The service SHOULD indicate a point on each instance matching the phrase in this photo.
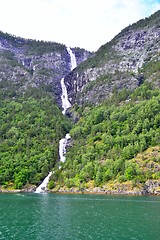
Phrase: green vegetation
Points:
(40, 47)
(145, 23)
(30, 130)
(34, 47)
(108, 137)
(116, 141)
(107, 52)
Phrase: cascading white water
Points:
(63, 142)
(62, 147)
(65, 105)
(73, 58)
(43, 186)
(64, 97)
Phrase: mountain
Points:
(31, 119)
(116, 113)
(28, 64)
(114, 121)
(131, 58)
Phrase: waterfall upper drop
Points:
(72, 57)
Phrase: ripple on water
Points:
(36, 216)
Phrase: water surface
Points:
(79, 217)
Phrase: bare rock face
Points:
(34, 64)
(152, 187)
(124, 63)
(121, 63)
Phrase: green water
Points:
(79, 217)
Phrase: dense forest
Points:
(107, 139)
(114, 121)
(30, 130)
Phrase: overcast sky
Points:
(77, 23)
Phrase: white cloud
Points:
(83, 23)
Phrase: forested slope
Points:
(107, 139)
(31, 119)
(30, 130)
(116, 97)
(114, 121)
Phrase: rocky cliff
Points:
(131, 58)
(114, 146)
(34, 64)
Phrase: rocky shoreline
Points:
(151, 187)
(27, 189)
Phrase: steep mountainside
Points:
(116, 135)
(34, 64)
(31, 123)
(115, 114)
(131, 58)
(109, 144)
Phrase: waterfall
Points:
(43, 186)
(65, 105)
(63, 142)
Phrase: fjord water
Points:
(79, 217)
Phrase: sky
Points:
(77, 23)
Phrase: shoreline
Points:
(83, 192)
(87, 191)
(150, 188)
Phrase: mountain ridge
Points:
(123, 57)
(114, 116)
(115, 96)
(37, 63)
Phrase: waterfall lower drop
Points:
(65, 105)
(43, 186)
